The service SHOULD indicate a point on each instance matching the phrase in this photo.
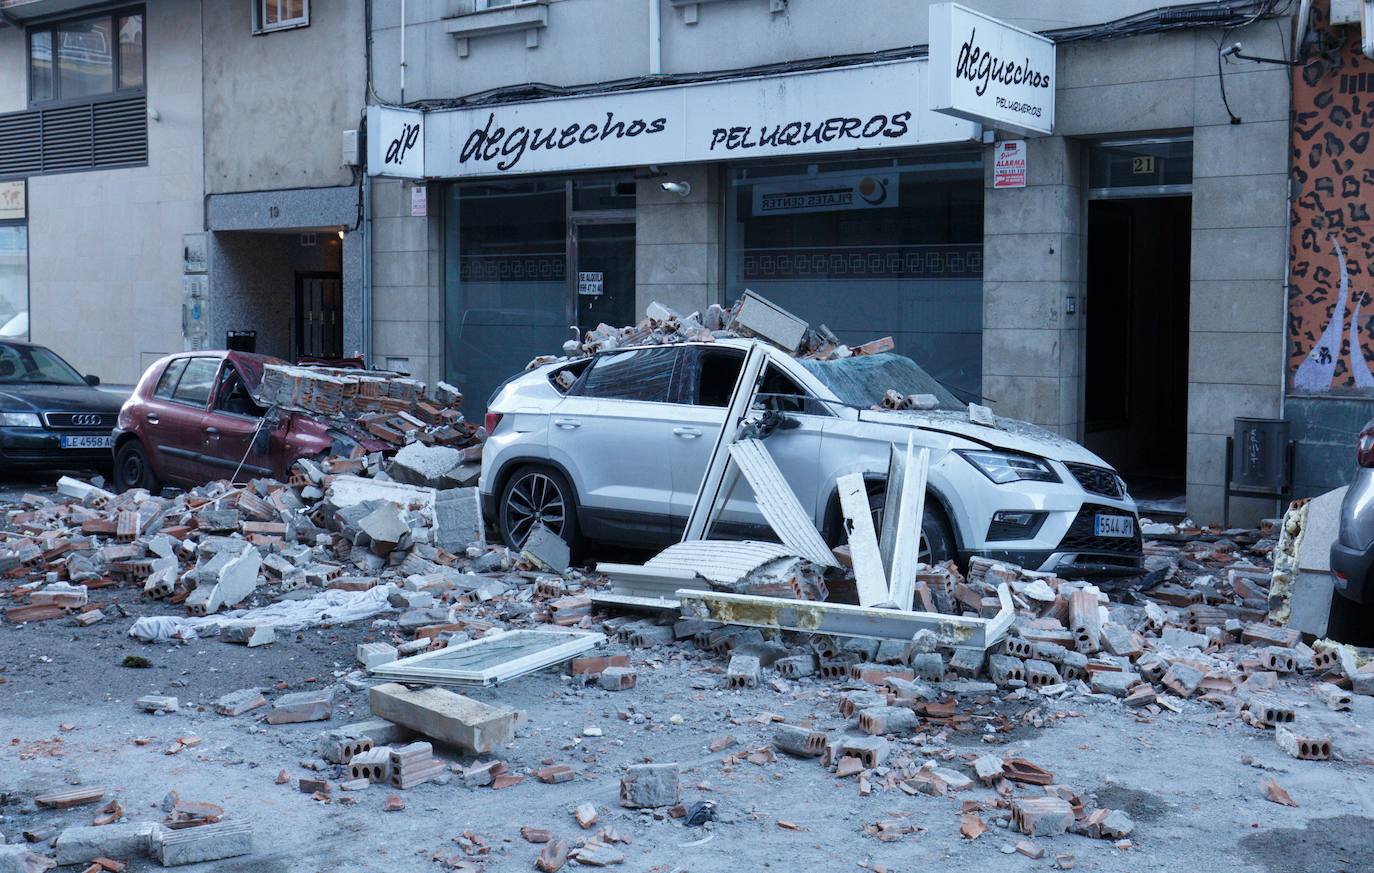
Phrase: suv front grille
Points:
(1098, 480)
(80, 420)
(1081, 537)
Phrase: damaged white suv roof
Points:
(619, 456)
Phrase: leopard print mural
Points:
(1331, 242)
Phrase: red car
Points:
(193, 419)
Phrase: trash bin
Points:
(1259, 454)
(241, 340)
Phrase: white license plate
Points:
(87, 442)
(1122, 526)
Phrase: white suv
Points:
(618, 457)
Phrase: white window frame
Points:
(260, 24)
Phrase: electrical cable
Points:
(1190, 17)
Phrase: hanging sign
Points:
(986, 70)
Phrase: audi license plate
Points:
(87, 442)
(1122, 526)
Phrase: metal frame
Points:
(779, 504)
(415, 669)
(846, 620)
(869, 576)
(714, 484)
(910, 506)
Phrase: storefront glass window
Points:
(869, 247)
(506, 272)
(14, 281)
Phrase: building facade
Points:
(1118, 277)
(174, 171)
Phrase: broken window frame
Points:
(416, 669)
(688, 383)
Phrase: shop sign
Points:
(395, 142)
(1009, 164)
(591, 283)
(12, 200)
(986, 70)
(861, 107)
(830, 193)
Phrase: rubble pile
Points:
(331, 542)
(1201, 632)
(663, 325)
(386, 405)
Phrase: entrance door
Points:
(1136, 363)
(604, 275)
(319, 315)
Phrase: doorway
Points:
(319, 316)
(1136, 360)
(603, 249)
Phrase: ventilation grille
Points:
(111, 133)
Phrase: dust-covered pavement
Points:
(1191, 781)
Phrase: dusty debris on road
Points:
(928, 715)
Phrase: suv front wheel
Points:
(533, 496)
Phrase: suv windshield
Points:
(35, 365)
(863, 380)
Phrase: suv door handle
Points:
(687, 433)
(212, 431)
(567, 423)
(152, 418)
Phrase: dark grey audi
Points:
(52, 417)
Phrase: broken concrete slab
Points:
(82, 845)
(760, 317)
(302, 706)
(238, 702)
(452, 719)
(156, 703)
(375, 654)
(247, 634)
(458, 521)
(546, 550)
(386, 527)
(211, 842)
(18, 859)
(419, 464)
(649, 786)
(237, 577)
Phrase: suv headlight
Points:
(1005, 467)
(20, 419)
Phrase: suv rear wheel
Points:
(537, 495)
(133, 470)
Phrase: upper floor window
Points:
(269, 15)
(86, 57)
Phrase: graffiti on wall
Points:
(1331, 292)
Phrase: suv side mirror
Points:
(92, 380)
